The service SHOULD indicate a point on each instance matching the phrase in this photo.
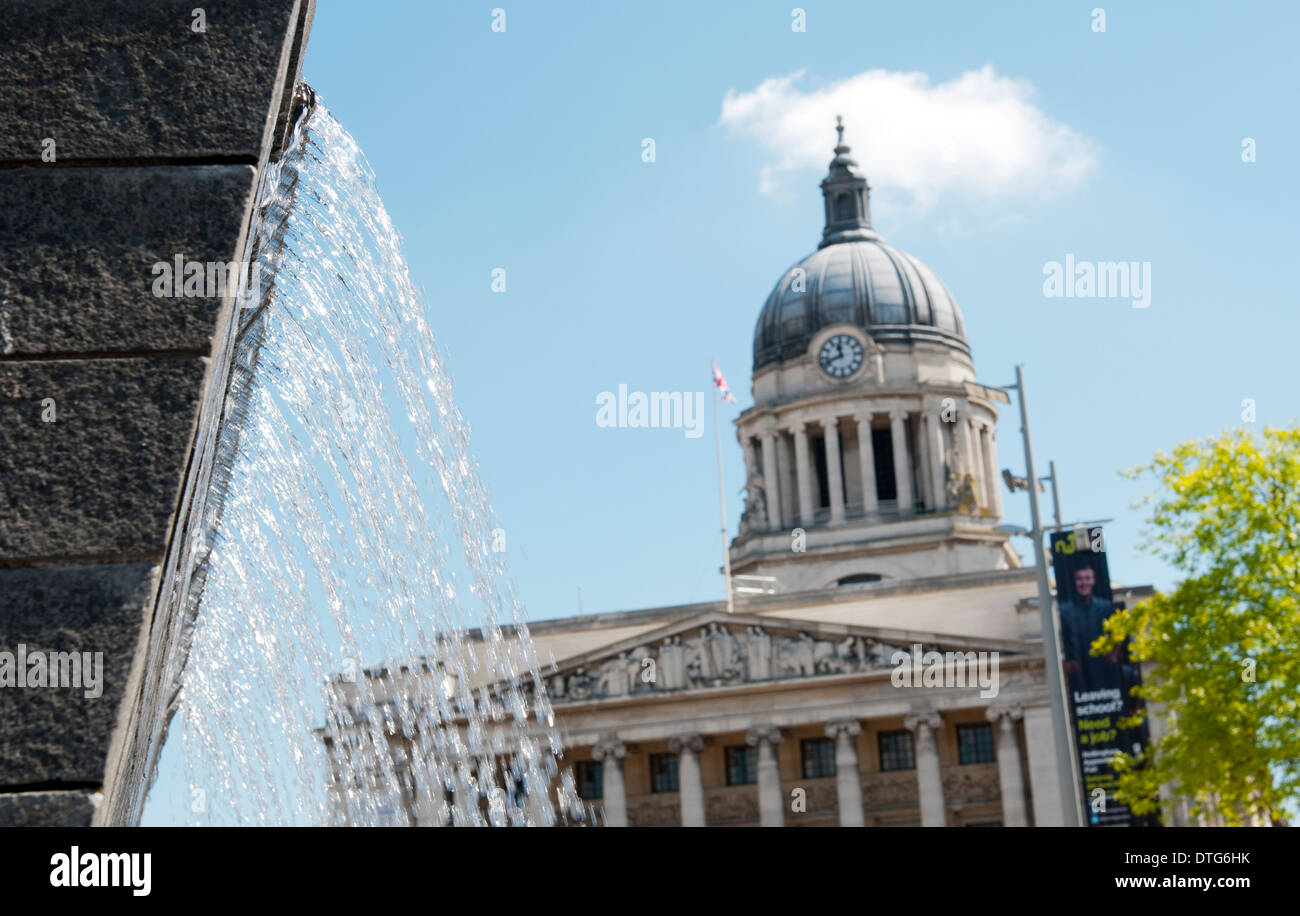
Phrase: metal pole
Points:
(1056, 494)
(1066, 762)
(722, 501)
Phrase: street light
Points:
(1066, 761)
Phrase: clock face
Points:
(840, 356)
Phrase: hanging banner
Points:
(1099, 687)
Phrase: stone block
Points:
(125, 79)
(78, 249)
(102, 479)
(58, 734)
(46, 809)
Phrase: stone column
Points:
(848, 778)
(691, 788)
(771, 481)
(929, 779)
(1015, 811)
(977, 465)
(991, 468)
(1043, 780)
(789, 491)
(803, 474)
(902, 467)
(924, 480)
(749, 447)
(967, 454)
(934, 443)
(867, 460)
(771, 801)
(610, 752)
(834, 473)
(988, 475)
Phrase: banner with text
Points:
(1099, 686)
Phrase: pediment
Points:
(716, 649)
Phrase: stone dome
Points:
(886, 292)
(853, 277)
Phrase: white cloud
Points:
(978, 136)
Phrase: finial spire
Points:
(848, 213)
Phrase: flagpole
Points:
(722, 500)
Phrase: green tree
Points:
(1225, 643)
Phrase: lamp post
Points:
(1066, 761)
(1056, 492)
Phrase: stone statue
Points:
(805, 654)
(636, 665)
(884, 654)
(754, 518)
(851, 654)
(579, 686)
(699, 661)
(960, 483)
(758, 654)
(634, 669)
(672, 664)
(872, 655)
(724, 658)
(859, 654)
(825, 660)
(614, 676)
(952, 474)
(797, 656)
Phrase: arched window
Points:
(843, 207)
(859, 579)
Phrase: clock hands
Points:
(845, 359)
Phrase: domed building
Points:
(868, 555)
(870, 450)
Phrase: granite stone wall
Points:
(131, 131)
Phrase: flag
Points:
(722, 384)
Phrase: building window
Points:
(663, 773)
(742, 766)
(859, 579)
(818, 757)
(896, 751)
(590, 776)
(975, 743)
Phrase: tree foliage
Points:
(1224, 645)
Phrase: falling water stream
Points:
(357, 654)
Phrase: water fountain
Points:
(346, 549)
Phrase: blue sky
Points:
(1033, 136)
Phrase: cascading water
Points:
(353, 526)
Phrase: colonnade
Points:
(920, 479)
(923, 725)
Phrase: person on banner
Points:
(1082, 617)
